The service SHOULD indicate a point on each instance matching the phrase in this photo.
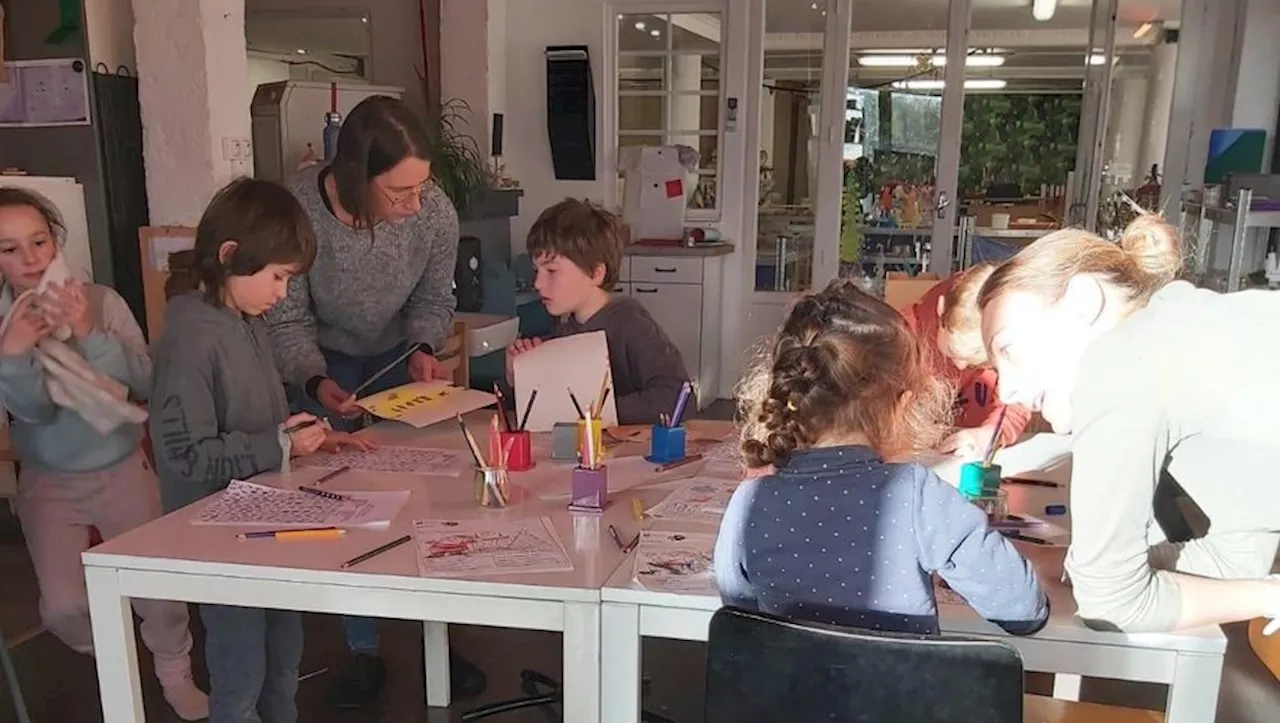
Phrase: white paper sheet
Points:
(401, 460)
(679, 562)
(492, 546)
(701, 499)
(247, 504)
(422, 404)
(724, 459)
(578, 362)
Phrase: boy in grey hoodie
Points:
(219, 413)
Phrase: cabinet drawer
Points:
(624, 269)
(665, 270)
(622, 289)
(677, 308)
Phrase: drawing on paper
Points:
(701, 499)
(487, 547)
(676, 562)
(250, 504)
(424, 403)
(402, 460)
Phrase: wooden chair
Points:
(1266, 647)
(454, 357)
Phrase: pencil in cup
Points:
(492, 487)
(597, 439)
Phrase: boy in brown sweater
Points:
(576, 247)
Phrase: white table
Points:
(1189, 663)
(171, 559)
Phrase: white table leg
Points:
(581, 684)
(115, 649)
(1066, 686)
(435, 656)
(620, 663)
(1193, 694)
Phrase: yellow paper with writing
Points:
(421, 404)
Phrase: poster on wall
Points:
(44, 93)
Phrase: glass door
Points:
(1086, 187)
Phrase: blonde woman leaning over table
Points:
(1152, 377)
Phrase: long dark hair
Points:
(378, 133)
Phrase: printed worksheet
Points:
(422, 404)
(724, 459)
(678, 562)
(451, 548)
(403, 460)
(700, 499)
(249, 504)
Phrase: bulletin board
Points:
(155, 243)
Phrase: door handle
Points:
(943, 202)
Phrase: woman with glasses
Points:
(387, 239)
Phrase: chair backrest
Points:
(762, 669)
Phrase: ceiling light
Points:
(910, 61)
(1042, 10)
(1097, 59)
(639, 25)
(364, 19)
(971, 84)
(302, 51)
(655, 32)
(1142, 30)
(813, 6)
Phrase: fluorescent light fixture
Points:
(1097, 59)
(1142, 30)
(302, 51)
(639, 25)
(1042, 10)
(655, 32)
(971, 84)
(909, 61)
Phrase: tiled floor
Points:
(61, 686)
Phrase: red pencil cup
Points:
(521, 456)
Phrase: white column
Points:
(192, 74)
(685, 110)
(464, 64)
(1159, 101)
(1124, 131)
(1257, 91)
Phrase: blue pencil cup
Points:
(666, 444)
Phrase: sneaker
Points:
(466, 680)
(359, 684)
(182, 695)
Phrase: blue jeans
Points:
(253, 657)
(350, 372)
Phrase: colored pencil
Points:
(995, 439)
(631, 545)
(507, 424)
(1023, 538)
(577, 407)
(1030, 482)
(378, 374)
(471, 442)
(679, 462)
(331, 475)
(301, 426)
(678, 412)
(528, 407)
(312, 532)
(322, 493)
(376, 551)
(613, 532)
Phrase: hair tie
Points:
(791, 406)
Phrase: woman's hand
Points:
(68, 305)
(27, 325)
(337, 400)
(423, 367)
(337, 441)
(515, 349)
(968, 443)
(306, 439)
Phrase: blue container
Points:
(666, 444)
(332, 126)
(977, 480)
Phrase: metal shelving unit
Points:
(1240, 216)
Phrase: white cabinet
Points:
(682, 294)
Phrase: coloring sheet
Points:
(701, 499)
(488, 546)
(724, 459)
(253, 505)
(422, 404)
(578, 362)
(402, 460)
(678, 562)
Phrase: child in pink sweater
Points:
(947, 322)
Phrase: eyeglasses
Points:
(405, 198)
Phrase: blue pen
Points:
(685, 389)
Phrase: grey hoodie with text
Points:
(216, 401)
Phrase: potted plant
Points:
(460, 168)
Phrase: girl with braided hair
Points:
(839, 532)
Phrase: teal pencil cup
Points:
(666, 444)
(977, 480)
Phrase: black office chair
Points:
(763, 669)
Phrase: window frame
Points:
(614, 95)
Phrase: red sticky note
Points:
(675, 188)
